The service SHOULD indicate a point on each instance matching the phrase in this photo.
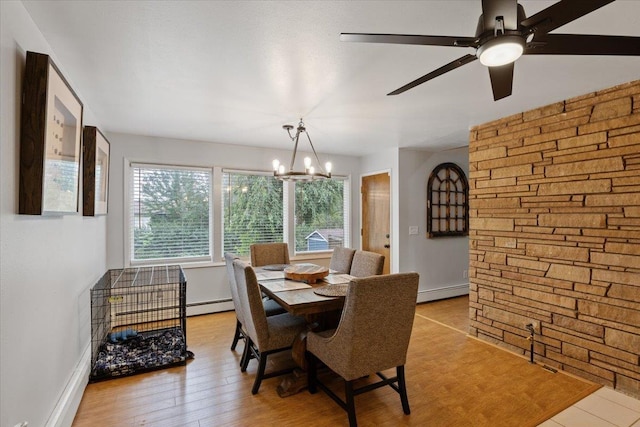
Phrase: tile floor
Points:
(604, 408)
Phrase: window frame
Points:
(223, 171)
(200, 261)
(346, 211)
(216, 218)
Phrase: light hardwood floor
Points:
(453, 380)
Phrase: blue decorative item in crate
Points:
(114, 337)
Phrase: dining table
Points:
(301, 298)
(319, 300)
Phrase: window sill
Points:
(310, 256)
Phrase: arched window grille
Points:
(447, 202)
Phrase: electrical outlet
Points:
(534, 323)
(413, 229)
(465, 274)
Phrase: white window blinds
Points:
(170, 213)
(252, 210)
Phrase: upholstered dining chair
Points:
(372, 336)
(270, 306)
(341, 259)
(266, 335)
(269, 253)
(366, 264)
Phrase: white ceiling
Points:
(235, 71)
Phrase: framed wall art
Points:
(447, 202)
(95, 172)
(50, 135)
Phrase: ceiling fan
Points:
(504, 33)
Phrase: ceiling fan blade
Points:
(508, 9)
(584, 44)
(501, 80)
(410, 39)
(446, 68)
(561, 13)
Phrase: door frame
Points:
(392, 240)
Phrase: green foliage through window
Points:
(170, 212)
(252, 211)
(320, 215)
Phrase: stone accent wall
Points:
(555, 234)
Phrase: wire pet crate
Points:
(138, 321)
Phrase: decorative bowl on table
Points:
(309, 273)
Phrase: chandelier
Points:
(310, 172)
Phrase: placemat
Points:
(332, 290)
(275, 267)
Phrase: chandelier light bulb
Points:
(276, 164)
(281, 169)
(328, 167)
(312, 170)
(307, 162)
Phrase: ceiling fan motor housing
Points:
(481, 30)
(499, 45)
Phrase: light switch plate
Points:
(413, 229)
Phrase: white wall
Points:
(47, 265)
(440, 262)
(206, 286)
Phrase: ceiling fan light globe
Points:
(500, 51)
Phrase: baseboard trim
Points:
(443, 292)
(207, 307)
(65, 410)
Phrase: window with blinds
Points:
(252, 210)
(170, 213)
(321, 215)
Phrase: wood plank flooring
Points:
(453, 380)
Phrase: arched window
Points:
(447, 202)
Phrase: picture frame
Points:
(50, 138)
(447, 202)
(95, 172)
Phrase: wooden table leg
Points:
(297, 380)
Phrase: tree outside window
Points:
(320, 215)
(252, 211)
(170, 213)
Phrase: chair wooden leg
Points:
(237, 335)
(402, 389)
(246, 355)
(350, 405)
(261, 367)
(312, 372)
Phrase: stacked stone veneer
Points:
(555, 234)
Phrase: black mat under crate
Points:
(144, 352)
